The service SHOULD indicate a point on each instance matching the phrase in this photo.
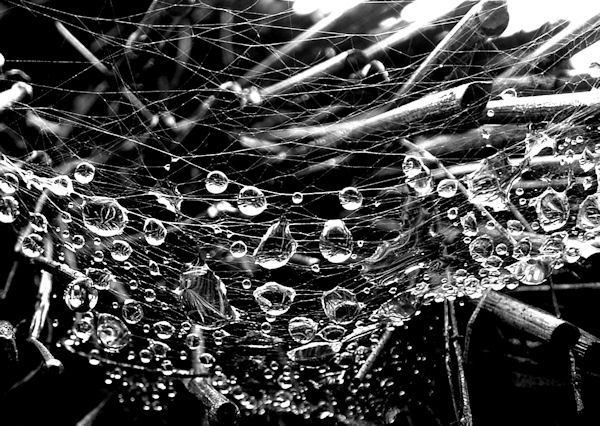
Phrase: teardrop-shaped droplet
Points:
(204, 298)
(32, 246)
(216, 182)
(350, 198)
(488, 186)
(9, 209)
(552, 208)
(80, 295)
(340, 305)
(469, 224)
(120, 250)
(274, 299)
(336, 241)
(104, 216)
(588, 217)
(84, 172)
(154, 232)
(132, 311)
(112, 333)
(251, 201)
(276, 247)
(447, 188)
(302, 329)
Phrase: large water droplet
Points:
(302, 329)
(204, 298)
(104, 216)
(336, 241)
(251, 201)
(216, 182)
(112, 333)
(340, 305)
(532, 270)
(489, 185)
(80, 295)
(274, 299)
(154, 232)
(552, 208)
(9, 209)
(276, 247)
(132, 311)
(588, 217)
(84, 172)
(350, 198)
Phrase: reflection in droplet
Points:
(80, 295)
(350, 198)
(302, 329)
(9, 209)
(553, 209)
(274, 299)
(216, 182)
(132, 311)
(84, 172)
(154, 232)
(120, 250)
(112, 333)
(251, 201)
(32, 246)
(588, 217)
(104, 216)
(340, 305)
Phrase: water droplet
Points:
(276, 247)
(204, 298)
(422, 183)
(80, 295)
(532, 270)
(411, 166)
(207, 360)
(332, 333)
(38, 222)
(251, 201)
(452, 213)
(154, 232)
(469, 224)
(481, 248)
(514, 227)
(9, 183)
(193, 341)
(132, 311)
(397, 310)
(104, 216)
(274, 299)
(84, 172)
(340, 305)
(336, 241)
(350, 198)
(9, 209)
(314, 353)
(216, 182)
(302, 329)
(587, 160)
(490, 113)
(149, 295)
(246, 284)
(112, 333)
(588, 217)
(297, 197)
(163, 329)
(83, 329)
(447, 188)
(33, 246)
(78, 241)
(102, 279)
(552, 208)
(120, 250)
(238, 249)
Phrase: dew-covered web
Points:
(207, 209)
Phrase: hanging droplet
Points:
(120, 250)
(80, 295)
(588, 217)
(84, 172)
(9, 209)
(32, 246)
(274, 299)
(447, 188)
(132, 311)
(104, 216)
(276, 247)
(469, 224)
(238, 249)
(112, 333)
(216, 182)
(163, 329)
(251, 201)
(350, 198)
(154, 232)
(204, 298)
(340, 305)
(481, 248)
(9, 183)
(552, 208)
(302, 329)
(336, 241)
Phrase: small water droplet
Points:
(132, 311)
(238, 249)
(84, 172)
(216, 182)
(251, 201)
